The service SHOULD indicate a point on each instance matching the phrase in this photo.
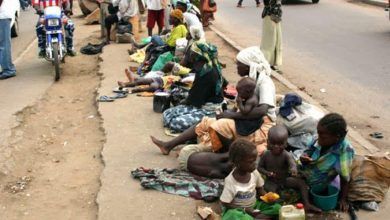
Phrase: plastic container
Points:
(290, 212)
(161, 102)
(326, 197)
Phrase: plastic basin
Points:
(325, 197)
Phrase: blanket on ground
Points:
(174, 181)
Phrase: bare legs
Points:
(166, 146)
(299, 184)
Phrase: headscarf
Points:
(176, 13)
(258, 65)
(209, 53)
(197, 33)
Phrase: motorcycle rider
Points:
(39, 6)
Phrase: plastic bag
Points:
(162, 60)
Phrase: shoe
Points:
(42, 54)
(71, 52)
(2, 77)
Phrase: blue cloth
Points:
(157, 40)
(290, 100)
(8, 68)
(41, 35)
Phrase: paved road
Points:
(32, 79)
(27, 23)
(336, 45)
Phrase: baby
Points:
(244, 185)
(246, 101)
(280, 168)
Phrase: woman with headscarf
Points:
(271, 38)
(216, 135)
(206, 92)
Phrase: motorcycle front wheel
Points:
(56, 61)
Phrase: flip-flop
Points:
(119, 96)
(120, 90)
(105, 98)
(377, 135)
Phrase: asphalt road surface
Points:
(27, 34)
(336, 45)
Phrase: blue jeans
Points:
(8, 68)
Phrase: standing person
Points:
(208, 8)
(7, 67)
(239, 4)
(271, 39)
(127, 11)
(39, 6)
(155, 15)
(190, 19)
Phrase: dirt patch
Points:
(56, 146)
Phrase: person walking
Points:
(239, 4)
(7, 67)
(271, 38)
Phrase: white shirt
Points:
(8, 9)
(191, 19)
(127, 8)
(265, 90)
(242, 195)
(154, 4)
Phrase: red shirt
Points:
(47, 3)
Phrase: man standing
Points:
(271, 39)
(6, 15)
(155, 15)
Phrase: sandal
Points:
(377, 135)
(120, 90)
(105, 98)
(119, 96)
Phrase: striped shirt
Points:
(324, 168)
(48, 3)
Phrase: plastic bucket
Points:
(325, 197)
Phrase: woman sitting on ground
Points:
(206, 92)
(216, 135)
(330, 156)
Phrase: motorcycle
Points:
(55, 43)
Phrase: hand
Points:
(305, 159)
(225, 114)
(294, 172)
(344, 205)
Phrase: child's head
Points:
(331, 129)
(246, 87)
(277, 139)
(168, 67)
(243, 155)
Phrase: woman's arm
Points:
(257, 112)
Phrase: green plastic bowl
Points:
(325, 197)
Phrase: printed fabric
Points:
(174, 181)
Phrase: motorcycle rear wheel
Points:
(56, 62)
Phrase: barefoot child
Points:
(280, 168)
(244, 185)
(154, 83)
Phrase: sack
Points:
(112, 10)
(124, 27)
(91, 49)
(141, 7)
(162, 60)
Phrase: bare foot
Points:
(129, 75)
(122, 84)
(312, 208)
(161, 145)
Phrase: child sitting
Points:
(280, 168)
(246, 101)
(244, 185)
